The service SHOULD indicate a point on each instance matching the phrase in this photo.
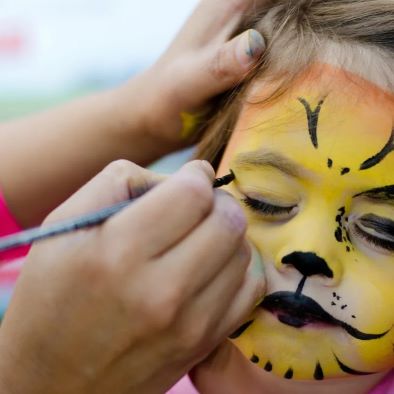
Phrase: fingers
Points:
(206, 309)
(218, 69)
(229, 64)
(198, 258)
(210, 18)
(118, 182)
(166, 214)
(251, 292)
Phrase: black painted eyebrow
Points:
(270, 159)
(380, 156)
(313, 118)
(383, 194)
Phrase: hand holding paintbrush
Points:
(147, 294)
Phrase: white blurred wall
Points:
(48, 46)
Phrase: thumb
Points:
(219, 366)
(117, 182)
(230, 63)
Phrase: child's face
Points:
(318, 190)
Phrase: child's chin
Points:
(313, 352)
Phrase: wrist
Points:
(141, 112)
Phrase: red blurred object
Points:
(12, 43)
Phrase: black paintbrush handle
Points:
(27, 237)
(38, 233)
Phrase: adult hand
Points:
(130, 306)
(139, 121)
(200, 64)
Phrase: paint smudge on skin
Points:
(268, 367)
(289, 374)
(338, 234)
(339, 230)
(345, 171)
(254, 359)
(318, 375)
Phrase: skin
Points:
(61, 149)
(354, 285)
(127, 307)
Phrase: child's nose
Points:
(308, 264)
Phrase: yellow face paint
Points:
(315, 173)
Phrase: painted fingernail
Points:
(250, 47)
(256, 44)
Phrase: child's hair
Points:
(355, 34)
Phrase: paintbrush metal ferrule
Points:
(225, 180)
(35, 234)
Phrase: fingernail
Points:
(250, 47)
(256, 44)
(208, 167)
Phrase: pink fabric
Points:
(386, 386)
(8, 225)
(184, 386)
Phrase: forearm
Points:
(46, 157)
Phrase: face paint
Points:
(314, 171)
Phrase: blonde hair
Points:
(357, 35)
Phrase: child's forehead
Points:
(329, 121)
(321, 80)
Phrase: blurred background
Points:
(52, 50)
(55, 50)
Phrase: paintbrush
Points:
(35, 234)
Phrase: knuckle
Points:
(123, 172)
(218, 67)
(199, 194)
(235, 6)
(231, 215)
(163, 309)
(243, 256)
(193, 336)
(120, 167)
(96, 271)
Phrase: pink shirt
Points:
(8, 225)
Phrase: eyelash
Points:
(379, 242)
(265, 208)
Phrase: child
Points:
(310, 139)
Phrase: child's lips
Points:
(298, 310)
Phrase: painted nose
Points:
(308, 264)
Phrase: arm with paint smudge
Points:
(46, 157)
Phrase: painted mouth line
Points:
(297, 310)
